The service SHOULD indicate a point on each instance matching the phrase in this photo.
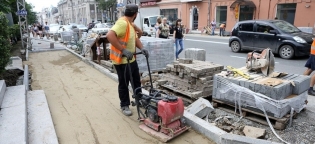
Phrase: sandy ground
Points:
(84, 103)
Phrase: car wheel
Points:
(235, 46)
(286, 52)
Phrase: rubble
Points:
(191, 78)
(253, 132)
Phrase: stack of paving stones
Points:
(196, 54)
(191, 78)
(161, 53)
(291, 89)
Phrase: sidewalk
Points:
(84, 103)
(39, 45)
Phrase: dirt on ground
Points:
(84, 103)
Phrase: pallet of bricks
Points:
(161, 53)
(191, 78)
(278, 96)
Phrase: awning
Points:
(243, 2)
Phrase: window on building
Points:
(246, 27)
(221, 13)
(170, 14)
(286, 12)
(262, 28)
(246, 13)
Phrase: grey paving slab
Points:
(3, 88)
(13, 116)
(40, 125)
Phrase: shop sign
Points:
(143, 4)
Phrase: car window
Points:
(263, 28)
(285, 26)
(246, 27)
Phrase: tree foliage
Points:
(5, 6)
(31, 16)
(4, 43)
(106, 5)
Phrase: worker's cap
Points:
(131, 8)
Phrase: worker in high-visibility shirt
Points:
(310, 64)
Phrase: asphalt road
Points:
(218, 51)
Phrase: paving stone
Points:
(3, 88)
(302, 84)
(196, 54)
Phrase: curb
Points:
(211, 132)
(46, 50)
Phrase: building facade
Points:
(197, 14)
(83, 12)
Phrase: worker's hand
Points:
(127, 54)
(145, 52)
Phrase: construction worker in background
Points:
(124, 40)
(222, 29)
(310, 65)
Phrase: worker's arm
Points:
(139, 44)
(113, 40)
(118, 30)
(137, 29)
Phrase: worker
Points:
(310, 65)
(222, 29)
(123, 40)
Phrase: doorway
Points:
(195, 19)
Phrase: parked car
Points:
(109, 25)
(100, 28)
(54, 29)
(280, 36)
(82, 28)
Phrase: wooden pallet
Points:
(259, 117)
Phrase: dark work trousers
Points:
(124, 79)
(221, 31)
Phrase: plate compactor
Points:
(163, 114)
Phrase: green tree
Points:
(5, 6)
(31, 15)
(106, 4)
(4, 43)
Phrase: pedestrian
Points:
(164, 29)
(157, 25)
(40, 30)
(123, 40)
(91, 25)
(222, 29)
(310, 65)
(178, 37)
(35, 30)
(46, 28)
(213, 25)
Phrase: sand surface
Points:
(84, 103)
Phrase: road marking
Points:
(207, 41)
(244, 58)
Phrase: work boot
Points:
(126, 111)
(311, 92)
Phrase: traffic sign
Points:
(22, 12)
(120, 5)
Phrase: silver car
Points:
(100, 28)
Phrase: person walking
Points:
(178, 37)
(40, 30)
(164, 29)
(213, 25)
(46, 28)
(310, 65)
(222, 29)
(123, 40)
(157, 25)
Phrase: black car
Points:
(280, 36)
